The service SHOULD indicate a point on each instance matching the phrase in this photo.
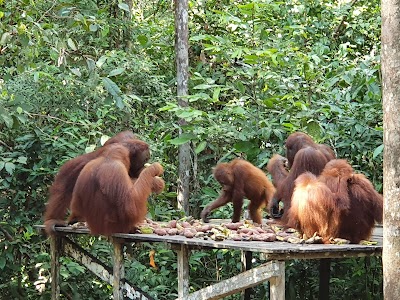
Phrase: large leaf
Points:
(114, 91)
(182, 139)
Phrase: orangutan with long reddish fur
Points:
(338, 203)
(302, 155)
(64, 183)
(107, 199)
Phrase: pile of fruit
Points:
(240, 231)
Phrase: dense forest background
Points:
(76, 71)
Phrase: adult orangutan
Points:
(60, 193)
(302, 155)
(239, 179)
(338, 203)
(107, 199)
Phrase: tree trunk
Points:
(182, 75)
(391, 140)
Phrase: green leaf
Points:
(90, 64)
(200, 147)
(71, 44)
(6, 36)
(2, 262)
(169, 106)
(378, 150)
(100, 62)
(8, 120)
(216, 93)
(124, 7)
(114, 91)
(205, 86)
(93, 27)
(182, 139)
(22, 160)
(143, 40)
(10, 167)
(76, 72)
(239, 110)
(116, 72)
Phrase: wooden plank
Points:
(183, 271)
(277, 283)
(55, 252)
(88, 260)
(240, 282)
(271, 250)
(118, 269)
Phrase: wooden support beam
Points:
(246, 259)
(87, 260)
(118, 269)
(183, 271)
(277, 283)
(55, 252)
(324, 277)
(235, 284)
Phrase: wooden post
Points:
(246, 258)
(324, 277)
(118, 270)
(183, 271)
(55, 250)
(277, 283)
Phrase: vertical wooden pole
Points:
(277, 283)
(55, 251)
(118, 270)
(324, 277)
(246, 258)
(183, 271)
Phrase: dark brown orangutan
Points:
(338, 203)
(107, 199)
(60, 193)
(239, 179)
(299, 140)
(303, 155)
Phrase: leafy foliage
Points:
(74, 72)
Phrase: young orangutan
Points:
(239, 179)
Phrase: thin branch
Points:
(46, 12)
(54, 118)
(6, 234)
(5, 145)
(338, 29)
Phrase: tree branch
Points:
(339, 28)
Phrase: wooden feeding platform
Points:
(273, 269)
